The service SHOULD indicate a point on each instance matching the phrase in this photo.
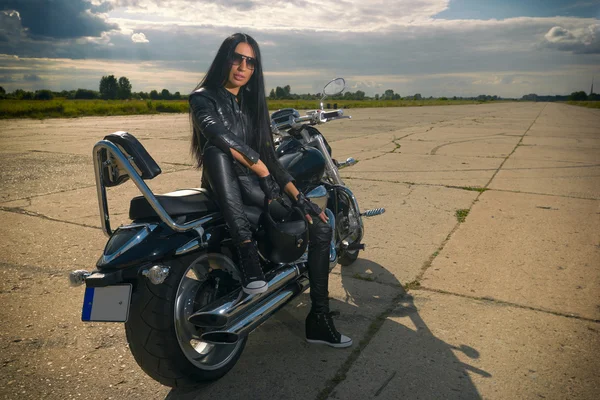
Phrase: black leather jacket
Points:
(219, 118)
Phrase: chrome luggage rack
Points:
(111, 157)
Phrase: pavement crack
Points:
(17, 210)
(546, 194)
(470, 188)
(374, 327)
(429, 261)
(367, 279)
(516, 146)
(507, 303)
(565, 167)
(388, 380)
(177, 164)
(435, 149)
(396, 147)
(48, 194)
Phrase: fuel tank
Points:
(306, 164)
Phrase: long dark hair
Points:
(252, 95)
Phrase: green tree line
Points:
(575, 96)
(284, 93)
(111, 88)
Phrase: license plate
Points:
(106, 304)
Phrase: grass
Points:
(588, 104)
(81, 108)
(461, 215)
(61, 108)
(363, 278)
(414, 285)
(311, 104)
(474, 188)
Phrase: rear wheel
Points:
(164, 344)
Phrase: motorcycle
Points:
(171, 275)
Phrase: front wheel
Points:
(164, 344)
(348, 257)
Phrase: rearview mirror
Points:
(335, 86)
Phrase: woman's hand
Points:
(310, 209)
(269, 187)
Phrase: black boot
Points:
(253, 278)
(320, 329)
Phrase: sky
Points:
(507, 48)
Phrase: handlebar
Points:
(313, 117)
(332, 114)
(319, 117)
(306, 118)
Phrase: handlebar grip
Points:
(332, 114)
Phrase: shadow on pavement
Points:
(417, 364)
(403, 359)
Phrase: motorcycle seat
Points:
(177, 203)
(185, 202)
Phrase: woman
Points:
(233, 141)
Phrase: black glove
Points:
(307, 206)
(269, 187)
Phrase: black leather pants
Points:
(233, 189)
(218, 169)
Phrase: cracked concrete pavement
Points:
(503, 305)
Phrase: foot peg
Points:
(348, 163)
(353, 246)
(373, 212)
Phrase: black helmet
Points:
(285, 233)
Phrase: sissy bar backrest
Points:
(119, 157)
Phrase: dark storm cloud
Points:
(452, 55)
(14, 40)
(60, 19)
(405, 50)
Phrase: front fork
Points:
(355, 216)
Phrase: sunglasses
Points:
(237, 58)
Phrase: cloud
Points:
(559, 34)
(584, 40)
(60, 19)
(66, 74)
(139, 38)
(10, 25)
(31, 78)
(377, 45)
(366, 85)
(355, 15)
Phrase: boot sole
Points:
(336, 345)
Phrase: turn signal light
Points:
(157, 274)
(77, 278)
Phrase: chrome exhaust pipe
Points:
(247, 323)
(220, 313)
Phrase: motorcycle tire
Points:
(155, 326)
(348, 257)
